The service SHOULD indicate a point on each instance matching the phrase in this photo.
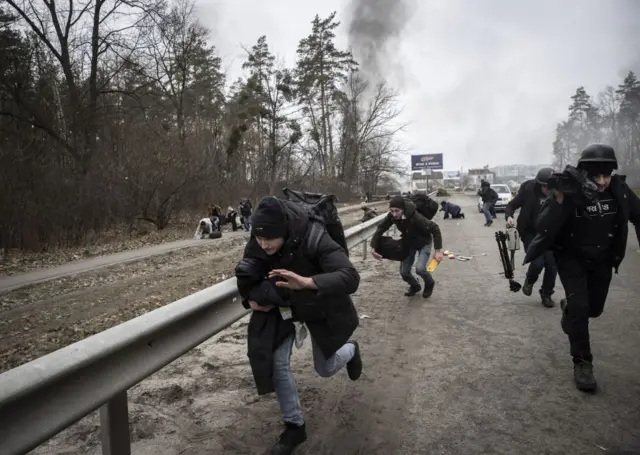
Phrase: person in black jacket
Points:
(489, 199)
(589, 241)
(245, 209)
(530, 198)
(417, 232)
(292, 272)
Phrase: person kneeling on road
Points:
(293, 272)
(530, 198)
(451, 210)
(589, 240)
(417, 232)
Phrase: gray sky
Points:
(483, 82)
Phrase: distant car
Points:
(505, 195)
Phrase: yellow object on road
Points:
(432, 265)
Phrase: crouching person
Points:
(292, 272)
(451, 210)
(205, 228)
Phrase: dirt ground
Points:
(117, 239)
(475, 369)
(42, 318)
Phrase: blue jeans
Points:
(246, 222)
(489, 210)
(424, 254)
(547, 262)
(285, 384)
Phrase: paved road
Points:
(475, 369)
(17, 281)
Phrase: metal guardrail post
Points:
(364, 250)
(114, 426)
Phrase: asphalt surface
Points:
(475, 369)
(17, 281)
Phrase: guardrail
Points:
(355, 207)
(43, 397)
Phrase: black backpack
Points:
(425, 205)
(322, 208)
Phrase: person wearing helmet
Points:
(589, 241)
(530, 198)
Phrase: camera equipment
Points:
(574, 183)
(507, 263)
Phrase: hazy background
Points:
(482, 82)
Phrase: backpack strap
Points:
(313, 240)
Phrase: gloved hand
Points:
(510, 222)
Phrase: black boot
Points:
(527, 287)
(547, 302)
(583, 375)
(428, 289)
(413, 290)
(462, 216)
(292, 436)
(354, 366)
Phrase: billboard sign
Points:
(451, 175)
(429, 161)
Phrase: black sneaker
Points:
(489, 223)
(354, 366)
(413, 290)
(462, 216)
(293, 436)
(428, 290)
(583, 375)
(547, 302)
(527, 288)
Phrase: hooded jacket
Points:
(328, 312)
(416, 230)
(557, 225)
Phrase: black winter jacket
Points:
(528, 201)
(416, 230)
(488, 194)
(328, 312)
(556, 224)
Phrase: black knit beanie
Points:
(269, 219)
(397, 202)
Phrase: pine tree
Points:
(321, 68)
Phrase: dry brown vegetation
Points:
(115, 113)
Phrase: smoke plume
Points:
(375, 30)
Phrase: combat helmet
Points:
(543, 175)
(599, 153)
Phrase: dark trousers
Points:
(586, 284)
(546, 262)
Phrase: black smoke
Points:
(375, 30)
